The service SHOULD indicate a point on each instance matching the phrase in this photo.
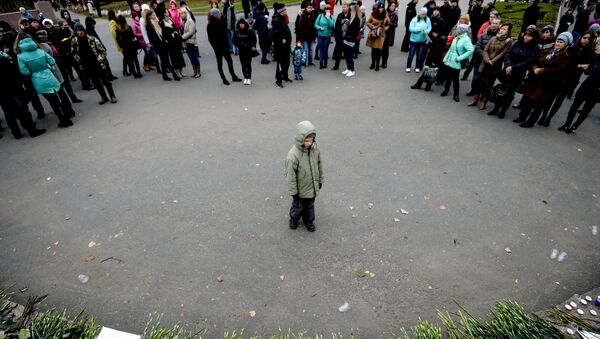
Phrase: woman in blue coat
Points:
(35, 63)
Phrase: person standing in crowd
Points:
(183, 5)
(66, 16)
(35, 63)
(477, 57)
(460, 50)
(130, 45)
(341, 25)
(420, 27)
(174, 14)
(588, 94)
(411, 12)
(172, 38)
(306, 32)
(217, 37)
(90, 56)
(474, 13)
(13, 97)
(544, 76)
(361, 31)
(298, 60)
(229, 18)
(493, 14)
(517, 61)
(304, 175)
(582, 19)
(566, 21)
(351, 38)
(465, 20)
(437, 22)
(530, 16)
(158, 42)
(445, 11)
(324, 25)
(282, 39)
(42, 39)
(150, 56)
(454, 16)
(245, 40)
(581, 55)
(112, 26)
(390, 35)
(51, 30)
(189, 41)
(261, 25)
(437, 50)
(136, 27)
(491, 65)
(378, 24)
(547, 38)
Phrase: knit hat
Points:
(42, 35)
(380, 5)
(595, 28)
(533, 32)
(279, 8)
(462, 28)
(214, 12)
(145, 7)
(47, 21)
(78, 27)
(423, 10)
(567, 37)
(548, 27)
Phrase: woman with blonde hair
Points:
(155, 35)
(350, 39)
(465, 20)
(189, 41)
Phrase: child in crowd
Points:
(298, 60)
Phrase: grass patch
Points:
(513, 12)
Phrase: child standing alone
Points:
(298, 60)
(304, 175)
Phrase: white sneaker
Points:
(249, 81)
(346, 71)
(350, 74)
(417, 70)
(246, 82)
(408, 70)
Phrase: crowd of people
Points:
(545, 65)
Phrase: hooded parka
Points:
(36, 63)
(303, 168)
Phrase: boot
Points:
(34, 132)
(111, 92)
(482, 104)
(158, 69)
(321, 65)
(137, 74)
(104, 98)
(293, 224)
(474, 101)
(336, 66)
(377, 65)
(503, 111)
(175, 75)
(372, 65)
(325, 63)
(495, 111)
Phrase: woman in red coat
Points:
(544, 75)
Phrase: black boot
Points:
(104, 98)
(310, 227)
(495, 110)
(293, 224)
(321, 65)
(34, 132)
(111, 92)
(377, 65)
(336, 66)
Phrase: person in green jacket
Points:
(461, 49)
(304, 174)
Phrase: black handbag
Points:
(430, 73)
(498, 93)
(254, 52)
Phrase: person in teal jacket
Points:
(461, 49)
(304, 175)
(35, 63)
(419, 27)
(324, 25)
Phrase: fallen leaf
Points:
(403, 211)
(508, 250)
(371, 274)
(396, 220)
(362, 274)
(92, 244)
(90, 258)
(430, 287)
(443, 207)
(252, 313)
(68, 218)
(220, 279)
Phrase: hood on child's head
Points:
(303, 130)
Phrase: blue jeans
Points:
(298, 69)
(232, 48)
(307, 45)
(193, 54)
(415, 47)
(323, 44)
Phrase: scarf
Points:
(5, 55)
(552, 54)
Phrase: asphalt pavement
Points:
(181, 184)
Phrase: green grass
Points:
(513, 12)
(197, 6)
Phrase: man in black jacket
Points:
(217, 37)
(13, 97)
(281, 36)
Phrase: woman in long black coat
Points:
(411, 12)
(156, 37)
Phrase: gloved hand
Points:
(295, 196)
(320, 185)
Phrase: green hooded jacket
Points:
(303, 168)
